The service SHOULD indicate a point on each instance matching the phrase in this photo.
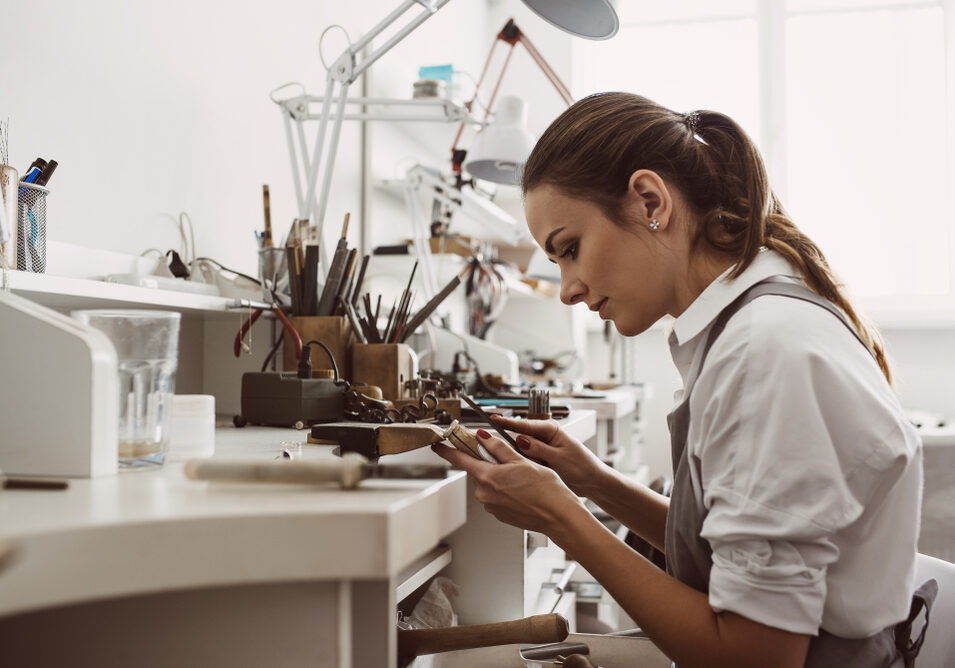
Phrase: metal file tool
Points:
(487, 418)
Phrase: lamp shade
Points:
(500, 150)
(592, 19)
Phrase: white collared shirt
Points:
(809, 471)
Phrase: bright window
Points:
(847, 101)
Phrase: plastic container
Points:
(193, 429)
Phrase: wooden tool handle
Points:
(535, 629)
(346, 471)
(577, 661)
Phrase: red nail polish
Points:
(523, 442)
(483, 434)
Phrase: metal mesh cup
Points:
(31, 228)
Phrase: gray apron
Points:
(689, 556)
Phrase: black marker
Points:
(46, 172)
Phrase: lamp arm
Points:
(548, 71)
(417, 177)
(512, 35)
(470, 104)
(344, 71)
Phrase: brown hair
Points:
(592, 149)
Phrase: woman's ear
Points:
(649, 198)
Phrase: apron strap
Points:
(922, 599)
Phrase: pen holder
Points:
(332, 330)
(385, 365)
(31, 228)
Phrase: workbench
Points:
(152, 569)
(617, 439)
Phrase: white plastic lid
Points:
(193, 404)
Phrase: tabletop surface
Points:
(137, 532)
(148, 531)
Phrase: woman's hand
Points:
(516, 491)
(544, 441)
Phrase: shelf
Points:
(65, 293)
(421, 571)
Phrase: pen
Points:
(46, 172)
(32, 173)
(33, 170)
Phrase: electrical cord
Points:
(225, 268)
(190, 250)
(305, 363)
(268, 358)
(484, 385)
(321, 38)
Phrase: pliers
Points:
(289, 327)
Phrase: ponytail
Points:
(591, 150)
(762, 221)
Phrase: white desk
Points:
(191, 573)
(616, 440)
(152, 569)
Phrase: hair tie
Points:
(692, 121)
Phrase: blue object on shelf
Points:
(439, 72)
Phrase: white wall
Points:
(155, 108)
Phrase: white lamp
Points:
(592, 20)
(500, 150)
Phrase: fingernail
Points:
(523, 442)
(483, 433)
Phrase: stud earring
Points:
(654, 224)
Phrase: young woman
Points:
(790, 536)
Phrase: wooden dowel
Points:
(536, 629)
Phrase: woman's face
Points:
(620, 270)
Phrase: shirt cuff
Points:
(791, 599)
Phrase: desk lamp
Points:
(592, 19)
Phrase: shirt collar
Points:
(722, 291)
